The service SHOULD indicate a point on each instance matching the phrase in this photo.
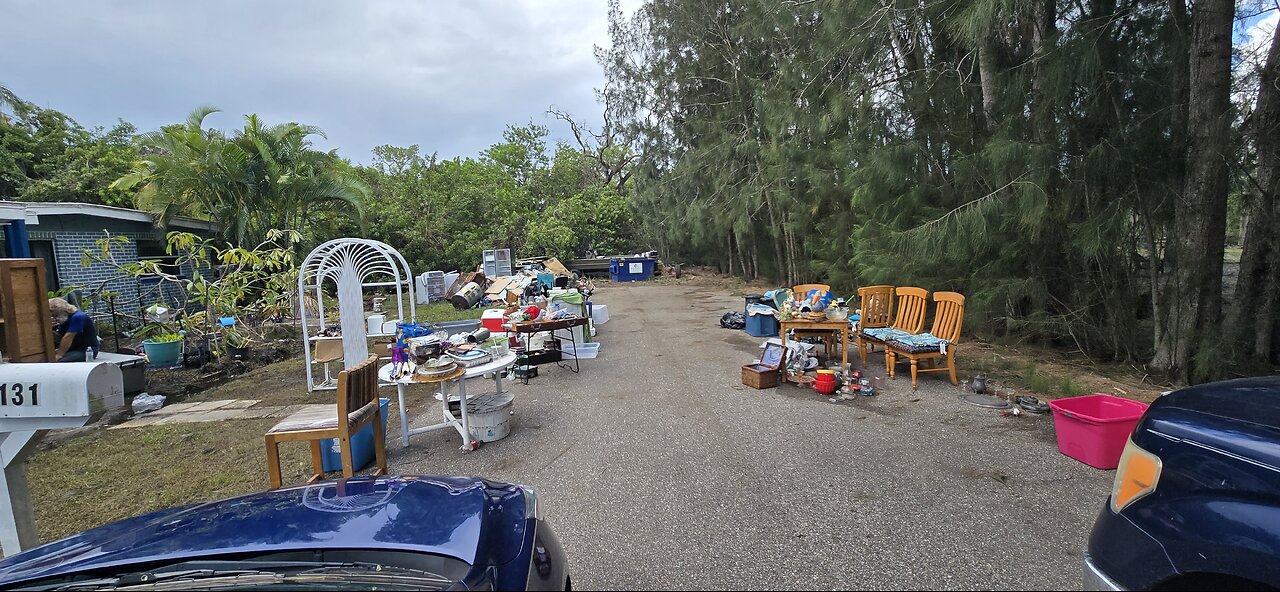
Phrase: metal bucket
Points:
(467, 297)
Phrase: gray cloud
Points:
(448, 77)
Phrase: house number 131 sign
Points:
(19, 394)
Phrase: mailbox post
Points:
(36, 398)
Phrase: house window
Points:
(154, 251)
(43, 249)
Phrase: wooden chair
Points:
(939, 343)
(327, 352)
(357, 405)
(876, 303)
(908, 320)
(799, 292)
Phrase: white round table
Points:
(496, 366)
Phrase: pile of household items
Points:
(540, 309)
(811, 312)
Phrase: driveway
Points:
(658, 469)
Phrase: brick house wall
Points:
(71, 235)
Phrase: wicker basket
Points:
(764, 373)
(759, 376)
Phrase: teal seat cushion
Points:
(918, 344)
(883, 334)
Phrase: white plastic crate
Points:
(583, 351)
(599, 314)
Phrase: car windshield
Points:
(256, 575)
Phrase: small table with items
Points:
(841, 327)
(526, 329)
(497, 366)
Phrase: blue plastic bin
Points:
(631, 269)
(361, 445)
(762, 325)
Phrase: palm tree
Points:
(262, 178)
(290, 179)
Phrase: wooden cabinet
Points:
(24, 312)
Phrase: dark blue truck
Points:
(1196, 498)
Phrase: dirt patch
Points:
(178, 384)
(705, 277)
(1050, 374)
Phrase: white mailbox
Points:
(51, 396)
(35, 398)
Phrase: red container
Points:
(493, 319)
(825, 384)
(1093, 429)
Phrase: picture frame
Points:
(773, 355)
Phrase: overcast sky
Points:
(446, 76)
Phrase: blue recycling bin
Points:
(361, 445)
(631, 269)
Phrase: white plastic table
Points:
(450, 420)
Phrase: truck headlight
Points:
(531, 509)
(1136, 476)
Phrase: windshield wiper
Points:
(257, 573)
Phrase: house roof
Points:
(31, 212)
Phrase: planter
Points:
(237, 353)
(163, 354)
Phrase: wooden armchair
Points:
(909, 320)
(357, 405)
(799, 292)
(939, 343)
(876, 303)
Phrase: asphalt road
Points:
(659, 470)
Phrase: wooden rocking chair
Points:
(876, 303)
(909, 320)
(358, 405)
(939, 343)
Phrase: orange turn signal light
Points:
(1136, 476)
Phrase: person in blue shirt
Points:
(78, 331)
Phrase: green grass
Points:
(1232, 254)
(440, 312)
(1046, 384)
(114, 474)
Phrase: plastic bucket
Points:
(1093, 429)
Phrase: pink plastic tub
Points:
(1094, 428)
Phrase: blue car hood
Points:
(1240, 417)
(470, 519)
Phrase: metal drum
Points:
(467, 297)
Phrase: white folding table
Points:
(497, 366)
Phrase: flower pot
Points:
(163, 354)
(237, 353)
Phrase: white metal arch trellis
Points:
(352, 264)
